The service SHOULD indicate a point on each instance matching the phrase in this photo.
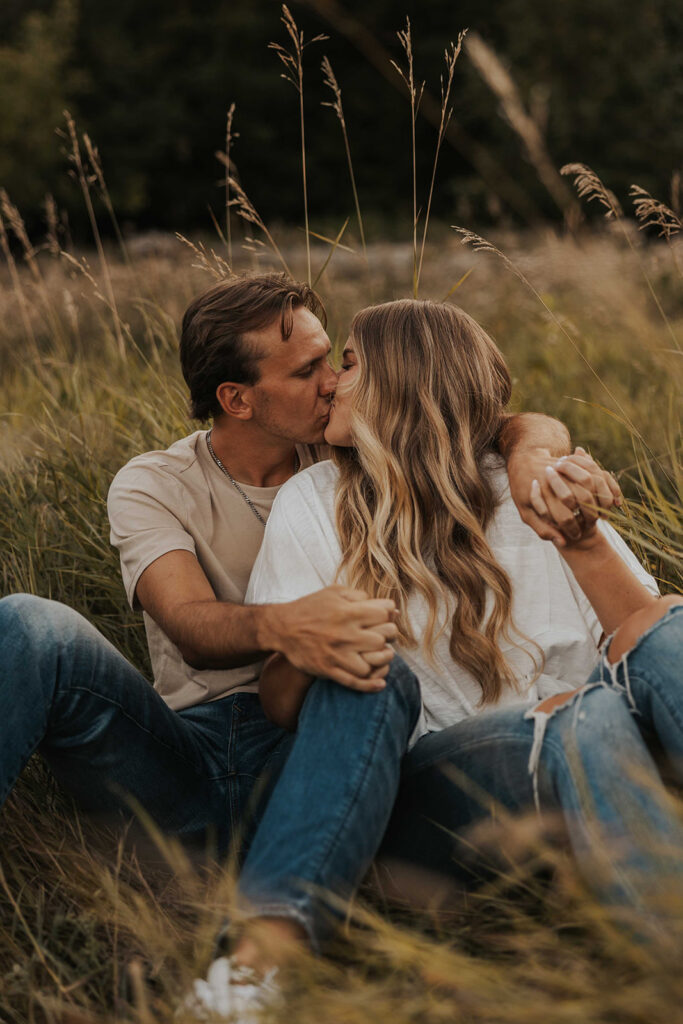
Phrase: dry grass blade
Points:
(16, 280)
(52, 224)
(18, 228)
(332, 83)
(488, 167)
(451, 55)
(501, 83)
(653, 213)
(207, 259)
(86, 180)
(230, 135)
(415, 92)
(248, 212)
(30, 252)
(589, 187)
(294, 73)
(333, 249)
(95, 161)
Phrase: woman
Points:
(501, 628)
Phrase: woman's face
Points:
(338, 430)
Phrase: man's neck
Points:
(251, 456)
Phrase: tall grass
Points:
(94, 927)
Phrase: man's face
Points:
(291, 400)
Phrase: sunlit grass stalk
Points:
(229, 136)
(331, 81)
(652, 212)
(526, 127)
(294, 73)
(333, 249)
(451, 55)
(84, 182)
(415, 94)
(98, 174)
(17, 285)
(248, 212)
(16, 224)
(590, 187)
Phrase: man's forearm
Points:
(217, 634)
(529, 430)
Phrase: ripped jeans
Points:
(590, 760)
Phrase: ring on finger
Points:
(577, 513)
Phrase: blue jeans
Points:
(320, 801)
(108, 736)
(590, 762)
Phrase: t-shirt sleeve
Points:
(145, 510)
(294, 559)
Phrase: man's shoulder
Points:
(160, 477)
(171, 462)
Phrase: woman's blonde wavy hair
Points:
(414, 499)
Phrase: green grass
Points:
(91, 929)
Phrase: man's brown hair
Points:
(213, 348)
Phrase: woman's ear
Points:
(234, 400)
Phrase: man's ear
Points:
(234, 400)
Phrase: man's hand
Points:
(561, 499)
(337, 633)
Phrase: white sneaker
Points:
(233, 992)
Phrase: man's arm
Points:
(536, 449)
(337, 632)
(533, 430)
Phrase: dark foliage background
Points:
(151, 82)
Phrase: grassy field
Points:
(91, 930)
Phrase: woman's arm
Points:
(282, 690)
(610, 585)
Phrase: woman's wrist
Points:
(593, 545)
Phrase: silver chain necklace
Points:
(232, 480)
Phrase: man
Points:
(196, 751)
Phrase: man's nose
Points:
(329, 381)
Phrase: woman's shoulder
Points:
(320, 479)
(320, 474)
(309, 489)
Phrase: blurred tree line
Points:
(151, 83)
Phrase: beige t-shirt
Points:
(179, 499)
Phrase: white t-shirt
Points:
(301, 553)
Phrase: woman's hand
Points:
(577, 485)
(572, 493)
